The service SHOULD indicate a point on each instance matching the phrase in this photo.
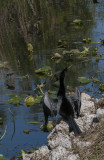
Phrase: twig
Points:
(3, 134)
(13, 123)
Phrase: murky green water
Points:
(43, 24)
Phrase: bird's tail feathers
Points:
(73, 126)
(77, 92)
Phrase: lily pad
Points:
(15, 100)
(72, 51)
(56, 56)
(43, 70)
(38, 99)
(30, 47)
(85, 52)
(49, 126)
(62, 43)
(84, 80)
(27, 131)
(78, 21)
(84, 40)
(101, 87)
(2, 157)
(95, 80)
(29, 101)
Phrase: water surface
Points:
(43, 24)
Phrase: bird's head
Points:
(62, 73)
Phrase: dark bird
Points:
(69, 107)
(51, 106)
(76, 99)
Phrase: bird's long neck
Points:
(61, 91)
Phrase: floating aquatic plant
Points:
(62, 43)
(49, 126)
(38, 99)
(85, 52)
(56, 56)
(101, 87)
(15, 100)
(43, 70)
(95, 80)
(27, 131)
(72, 51)
(29, 101)
(84, 80)
(84, 40)
(30, 47)
(2, 157)
(78, 21)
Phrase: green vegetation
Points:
(101, 87)
(78, 21)
(15, 100)
(2, 157)
(29, 101)
(84, 40)
(84, 80)
(85, 52)
(50, 126)
(43, 70)
(95, 80)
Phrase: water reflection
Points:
(42, 24)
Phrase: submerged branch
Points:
(3, 134)
(13, 123)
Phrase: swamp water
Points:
(49, 28)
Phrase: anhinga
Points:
(76, 99)
(51, 106)
(66, 106)
(70, 105)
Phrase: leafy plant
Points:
(43, 70)
(2, 157)
(56, 56)
(101, 87)
(15, 100)
(29, 101)
(84, 40)
(84, 80)
(78, 21)
(30, 47)
(85, 52)
(49, 126)
(95, 80)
